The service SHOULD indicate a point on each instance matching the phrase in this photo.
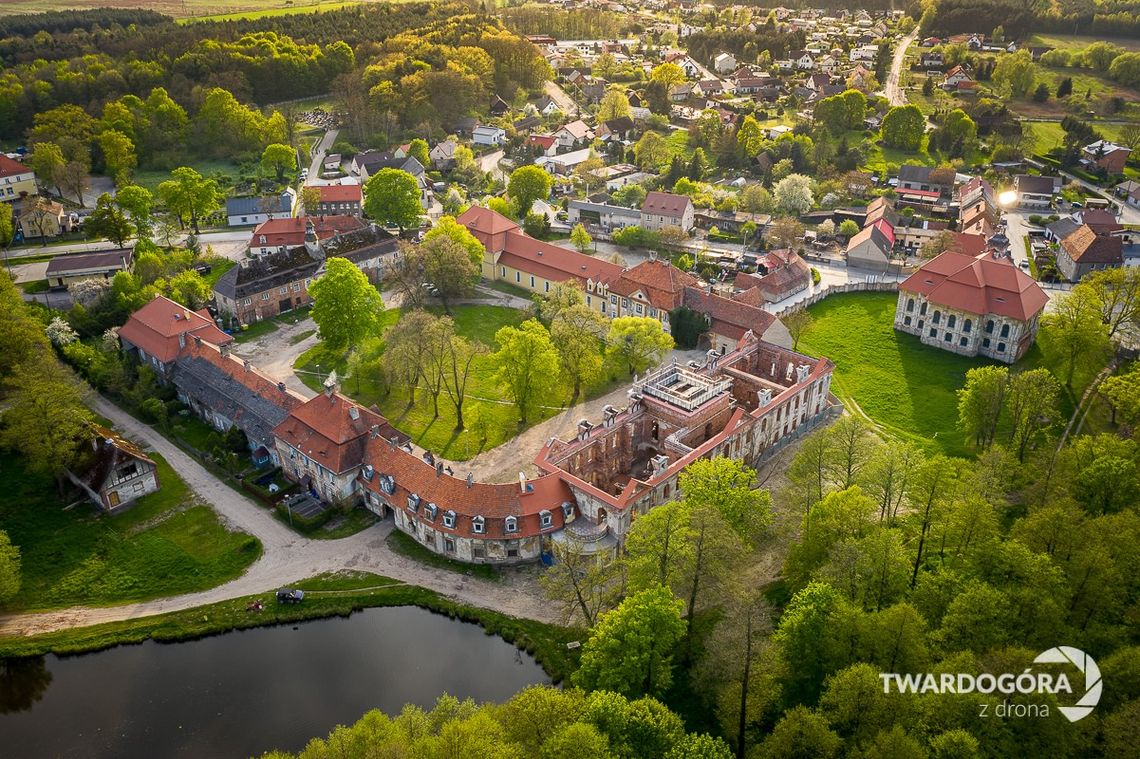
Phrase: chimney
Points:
(470, 479)
(374, 432)
(197, 340)
(247, 364)
(353, 413)
(181, 339)
(224, 350)
(522, 482)
(281, 386)
(438, 468)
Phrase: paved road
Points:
(319, 151)
(896, 95)
(287, 557)
(490, 162)
(221, 240)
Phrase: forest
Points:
(1110, 18)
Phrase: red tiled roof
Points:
(969, 245)
(330, 429)
(10, 168)
(886, 229)
(156, 326)
(731, 318)
(291, 232)
(340, 193)
(553, 262)
(493, 502)
(662, 283)
(665, 204)
(978, 285)
(1085, 246)
(480, 220)
(545, 141)
(919, 193)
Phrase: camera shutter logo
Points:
(1086, 664)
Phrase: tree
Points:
(448, 227)
(346, 307)
(980, 403)
(668, 74)
(118, 155)
(109, 221)
(727, 485)
(1116, 292)
(528, 184)
(1015, 73)
(848, 229)
(1041, 94)
(278, 159)
(7, 225)
(755, 198)
(47, 162)
(1065, 88)
(958, 133)
(933, 485)
(458, 357)
(749, 137)
(578, 583)
(1074, 332)
(638, 341)
(614, 105)
(536, 224)
(405, 353)
(45, 419)
(74, 178)
(527, 364)
(581, 238)
(138, 203)
(629, 648)
(576, 334)
(418, 149)
(786, 231)
(1122, 391)
(903, 127)
(810, 640)
(392, 196)
(801, 733)
(797, 323)
(1032, 404)
(631, 195)
(793, 193)
(9, 569)
(190, 196)
(651, 152)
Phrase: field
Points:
(213, 10)
(1077, 41)
(1048, 134)
(901, 384)
(165, 545)
(151, 178)
(490, 418)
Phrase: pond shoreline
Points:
(329, 596)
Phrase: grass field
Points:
(485, 397)
(1077, 41)
(1049, 134)
(165, 545)
(152, 178)
(900, 383)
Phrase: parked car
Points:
(290, 596)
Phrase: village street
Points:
(892, 88)
(287, 557)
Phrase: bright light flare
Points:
(1007, 198)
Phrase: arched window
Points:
(910, 304)
(951, 320)
(989, 326)
(922, 310)
(967, 325)
(936, 318)
(1005, 330)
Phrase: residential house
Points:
(250, 211)
(564, 163)
(16, 180)
(864, 53)
(780, 274)
(338, 200)
(547, 144)
(666, 209)
(803, 60)
(66, 270)
(485, 134)
(42, 218)
(679, 93)
(913, 234)
(594, 90)
(957, 77)
(872, 247)
(1036, 191)
(277, 235)
(973, 305)
(724, 63)
(499, 106)
(157, 332)
(978, 213)
(925, 180)
(1083, 251)
(546, 106)
(932, 60)
(571, 135)
(1101, 221)
(1106, 155)
(601, 214)
(113, 472)
(621, 129)
(442, 155)
(366, 164)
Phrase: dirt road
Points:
(287, 557)
(896, 95)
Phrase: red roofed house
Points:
(972, 305)
(321, 443)
(547, 144)
(781, 274)
(278, 235)
(158, 331)
(871, 248)
(16, 180)
(339, 199)
(665, 209)
(1083, 251)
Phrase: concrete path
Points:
(287, 557)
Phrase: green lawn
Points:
(901, 384)
(678, 143)
(164, 545)
(485, 397)
(151, 178)
(1077, 41)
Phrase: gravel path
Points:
(287, 557)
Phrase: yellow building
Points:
(16, 180)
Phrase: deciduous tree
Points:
(637, 341)
(190, 196)
(794, 193)
(528, 184)
(903, 127)
(9, 569)
(1075, 333)
(392, 196)
(980, 403)
(581, 238)
(346, 307)
(109, 221)
(527, 364)
(576, 333)
(277, 159)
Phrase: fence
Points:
(850, 287)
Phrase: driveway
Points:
(275, 352)
(287, 557)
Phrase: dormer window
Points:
(545, 518)
(388, 484)
(568, 509)
(413, 502)
(261, 239)
(449, 518)
(477, 525)
(430, 511)
(512, 524)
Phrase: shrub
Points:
(815, 276)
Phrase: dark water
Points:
(247, 692)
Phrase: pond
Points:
(247, 692)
